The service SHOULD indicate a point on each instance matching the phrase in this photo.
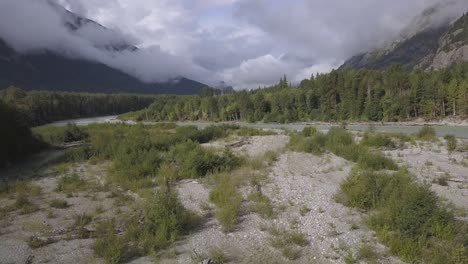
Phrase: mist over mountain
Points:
(81, 55)
(434, 39)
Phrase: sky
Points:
(245, 43)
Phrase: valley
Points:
(288, 210)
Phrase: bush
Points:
(193, 161)
(378, 141)
(70, 183)
(315, 143)
(59, 135)
(341, 143)
(165, 220)
(427, 134)
(59, 203)
(408, 217)
(376, 161)
(108, 244)
(451, 142)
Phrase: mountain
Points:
(431, 41)
(50, 70)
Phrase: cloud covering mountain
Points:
(246, 43)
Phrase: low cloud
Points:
(246, 43)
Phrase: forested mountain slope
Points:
(360, 95)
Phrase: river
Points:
(441, 130)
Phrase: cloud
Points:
(247, 43)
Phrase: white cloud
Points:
(248, 43)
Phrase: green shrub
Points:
(451, 142)
(368, 253)
(59, 135)
(165, 220)
(59, 203)
(376, 161)
(193, 161)
(81, 221)
(427, 134)
(24, 204)
(341, 143)
(71, 183)
(309, 141)
(108, 244)
(363, 189)
(408, 217)
(378, 140)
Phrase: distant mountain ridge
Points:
(424, 44)
(49, 70)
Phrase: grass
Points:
(109, 245)
(378, 140)
(35, 242)
(367, 252)
(81, 221)
(451, 143)
(442, 180)
(23, 204)
(228, 201)
(71, 183)
(427, 134)
(286, 241)
(309, 140)
(59, 203)
(407, 217)
(261, 204)
(304, 210)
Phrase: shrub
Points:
(59, 135)
(59, 203)
(70, 183)
(378, 141)
(408, 217)
(308, 141)
(81, 221)
(451, 142)
(368, 253)
(363, 189)
(427, 134)
(165, 220)
(193, 161)
(341, 143)
(108, 244)
(376, 161)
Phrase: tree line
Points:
(20, 110)
(41, 107)
(395, 94)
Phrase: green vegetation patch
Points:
(408, 217)
(228, 201)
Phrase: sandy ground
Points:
(296, 181)
(56, 224)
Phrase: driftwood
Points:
(239, 144)
(72, 144)
(457, 180)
